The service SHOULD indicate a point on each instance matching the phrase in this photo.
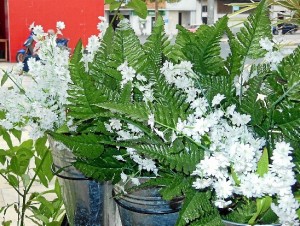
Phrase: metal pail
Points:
(87, 202)
(146, 207)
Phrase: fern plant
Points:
(200, 123)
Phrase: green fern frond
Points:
(138, 111)
(102, 169)
(157, 46)
(255, 27)
(203, 47)
(246, 43)
(249, 103)
(176, 187)
(176, 158)
(171, 185)
(288, 120)
(126, 46)
(289, 71)
(213, 85)
(82, 93)
(86, 146)
(197, 206)
(99, 68)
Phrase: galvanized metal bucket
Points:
(87, 202)
(229, 223)
(147, 208)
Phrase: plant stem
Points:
(115, 16)
(27, 189)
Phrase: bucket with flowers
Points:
(220, 131)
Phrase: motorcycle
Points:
(27, 51)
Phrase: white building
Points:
(184, 12)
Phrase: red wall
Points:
(79, 16)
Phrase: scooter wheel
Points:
(20, 57)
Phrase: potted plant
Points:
(220, 131)
(35, 103)
(197, 124)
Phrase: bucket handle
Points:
(57, 173)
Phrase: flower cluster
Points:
(274, 55)
(130, 132)
(41, 102)
(94, 42)
(230, 166)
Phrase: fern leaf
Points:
(137, 111)
(108, 169)
(82, 93)
(127, 47)
(174, 157)
(176, 187)
(249, 104)
(196, 206)
(255, 27)
(203, 47)
(289, 122)
(246, 44)
(155, 46)
(86, 146)
(289, 71)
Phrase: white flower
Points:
(148, 165)
(128, 73)
(93, 44)
(151, 120)
(115, 124)
(101, 18)
(60, 25)
(120, 158)
(220, 203)
(160, 133)
(262, 98)
(223, 188)
(141, 78)
(202, 126)
(38, 30)
(240, 119)
(202, 183)
(124, 177)
(135, 181)
(266, 44)
(217, 99)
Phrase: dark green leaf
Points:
(139, 8)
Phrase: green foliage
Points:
(84, 145)
(245, 44)
(263, 163)
(203, 47)
(256, 26)
(197, 206)
(251, 212)
(138, 6)
(23, 165)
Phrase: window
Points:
(204, 8)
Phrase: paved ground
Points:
(8, 195)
